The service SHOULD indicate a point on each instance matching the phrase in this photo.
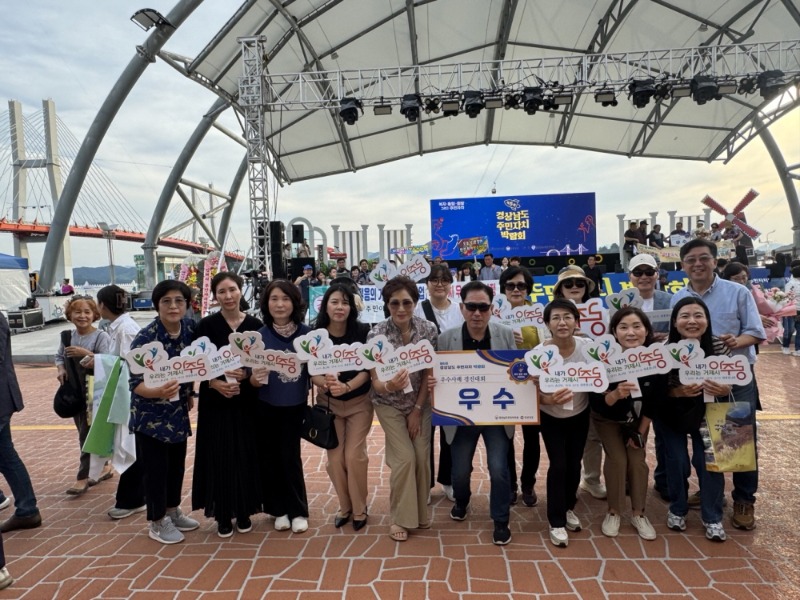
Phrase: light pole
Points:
(108, 234)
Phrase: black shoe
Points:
(514, 495)
(529, 497)
(244, 524)
(341, 521)
(502, 534)
(224, 529)
(458, 512)
(14, 522)
(359, 524)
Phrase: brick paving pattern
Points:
(80, 553)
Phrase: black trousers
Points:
(445, 460)
(531, 454)
(163, 465)
(281, 462)
(130, 489)
(82, 425)
(564, 440)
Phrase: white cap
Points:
(642, 259)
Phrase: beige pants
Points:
(347, 463)
(622, 463)
(592, 456)
(409, 463)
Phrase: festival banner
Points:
(484, 387)
(546, 363)
(696, 367)
(630, 364)
(157, 368)
(521, 316)
(379, 354)
(249, 346)
(220, 360)
(323, 356)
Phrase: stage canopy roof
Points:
(307, 36)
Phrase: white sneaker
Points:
(796, 353)
(573, 522)
(559, 537)
(676, 522)
(448, 492)
(5, 578)
(611, 525)
(786, 350)
(643, 526)
(282, 523)
(597, 490)
(299, 525)
(7, 502)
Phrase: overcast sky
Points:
(74, 52)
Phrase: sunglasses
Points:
(578, 283)
(520, 287)
(395, 304)
(640, 272)
(479, 306)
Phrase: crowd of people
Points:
(248, 453)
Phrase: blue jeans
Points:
(712, 485)
(789, 326)
(13, 469)
(745, 485)
(463, 450)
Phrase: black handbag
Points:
(318, 427)
(70, 398)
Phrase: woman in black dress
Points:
(226, 482)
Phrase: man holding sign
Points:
(477, 333)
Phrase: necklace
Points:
(175, 336)
(407, 331)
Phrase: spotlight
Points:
(704, 88)
(493, 101)
(606, 97)
(409, 107)
(382, 109)
(512, 101)
(641, 90)
(562, 98)
(747, 85)
(473, 103)
(432, 105)
(450, 106)
(727, 86)
(662, 91)
(348, 110)
(532, 99)
(680, 90)
(770, 83)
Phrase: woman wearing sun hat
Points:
(573, 284)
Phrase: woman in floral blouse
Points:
(405, 416)
(160, 416)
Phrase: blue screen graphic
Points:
(541, 225)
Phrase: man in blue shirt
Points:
(489, 270)
(735, 320)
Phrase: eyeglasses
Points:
(645, 272)
(703, 258)
(560, 318)
(479, 306)
(176, 301)
(395, 304)
(520, 287)
(571, 283)
(439, 281)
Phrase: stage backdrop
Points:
(544, 225)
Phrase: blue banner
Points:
(543, 225)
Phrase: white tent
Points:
(14, 282)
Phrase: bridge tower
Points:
(51, 161)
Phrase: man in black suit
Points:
(26, 515)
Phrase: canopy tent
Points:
(14, 282)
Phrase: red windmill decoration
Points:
(736, 216)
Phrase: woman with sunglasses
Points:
(563, 428)
(347, 395)
(572, 284)
(681, 413)
(405, 416)
(622, 424)
(444, 314)
(516, 283)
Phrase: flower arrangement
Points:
(773, 304)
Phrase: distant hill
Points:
(102, 275)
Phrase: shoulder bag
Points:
(318, 427)
(70, 398)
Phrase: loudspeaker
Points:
(297, 264)
(297, 233)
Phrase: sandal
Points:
(107, 473)
(397, 533)
(78, 489)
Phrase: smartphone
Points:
(85, 361)
(638, 441)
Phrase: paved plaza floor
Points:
(80, 553)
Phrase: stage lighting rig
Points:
(641, 90)
(704, 88)
(606, 96)
(770, 83)
(409, 107)
(532, 99)
(451, 105)
(432, 105)
(348, 110)
(473, 103)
